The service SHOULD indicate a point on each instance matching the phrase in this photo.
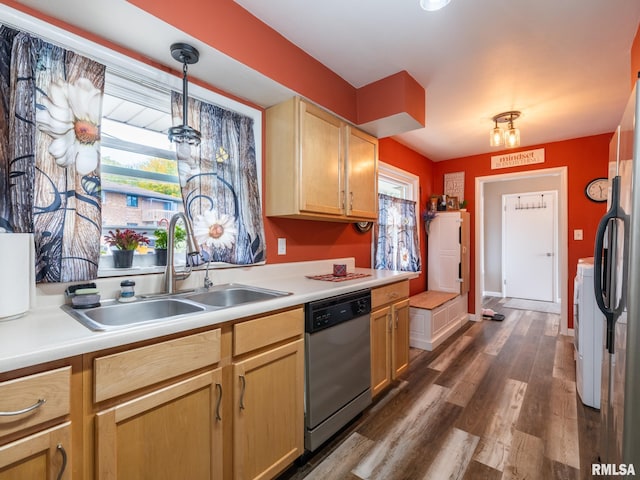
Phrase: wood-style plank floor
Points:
(496, 401)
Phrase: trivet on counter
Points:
(330, 277)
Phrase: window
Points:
(138, 163)
(399, 183)
(137, 159)
(396, 244)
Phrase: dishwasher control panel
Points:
(331, 311)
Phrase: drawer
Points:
(261, 332)
(35, 399)
(125, 372)
(389, 293)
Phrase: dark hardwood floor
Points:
(497, 400)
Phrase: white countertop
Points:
(47, 333)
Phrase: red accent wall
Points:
(586, 159)
(635, 58)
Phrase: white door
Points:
(529, 245)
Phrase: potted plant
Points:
(125, 242)
(161, 235)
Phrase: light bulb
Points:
(512, 137)
(495, 136)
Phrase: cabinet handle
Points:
(38, 404)
(351, 201)
(344, 198)
(63, 467)
(396, 315)
(219, 388)
(244, 387)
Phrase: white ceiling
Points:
(564, 63)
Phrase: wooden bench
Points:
(434, 316)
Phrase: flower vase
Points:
(122, 258)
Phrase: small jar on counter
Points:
(127, 291)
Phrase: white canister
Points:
(16, 273)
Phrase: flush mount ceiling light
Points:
(433, 5)
(184, 135)
(510, 137)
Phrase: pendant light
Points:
(183, 135)
(510, 137)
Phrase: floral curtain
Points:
(219, 182)
(396, 235)
(50, 108)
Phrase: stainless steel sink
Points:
(232, 294)
(113, 315)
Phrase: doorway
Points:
(488, 228)
(529, 239)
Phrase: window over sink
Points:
(138, 171)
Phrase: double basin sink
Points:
(114, 315)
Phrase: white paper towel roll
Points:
(16, 271)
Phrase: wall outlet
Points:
(282, 246)
(577, 234)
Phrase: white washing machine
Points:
(588, 325)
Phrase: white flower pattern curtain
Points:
(219, 183)
(49, 153)
(396, 235)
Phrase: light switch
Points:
(282, 246)
(577, 234)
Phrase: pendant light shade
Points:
(496, 136)
(433, 5)
(510, 137)
(183, 135)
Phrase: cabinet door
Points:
(321, 165)
(268, 427)
(173, 432)
(400, 353)
(444, 253)
(42, 456)
(380, 349)
(362, 172)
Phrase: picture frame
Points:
(433, 202)
(452, 203)
(442, 203)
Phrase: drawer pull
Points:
(244, 387)
(219, 388)
(63, 467)
(38, 404)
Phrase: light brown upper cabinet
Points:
(318, 167)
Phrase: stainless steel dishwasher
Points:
(337, 364)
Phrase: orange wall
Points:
(635, 58)
(586, 159)
(314, 240)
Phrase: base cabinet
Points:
(173, 432)
(41, 456)
(268, 411)
(389, 334)
(400, 338)
(380, 351)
